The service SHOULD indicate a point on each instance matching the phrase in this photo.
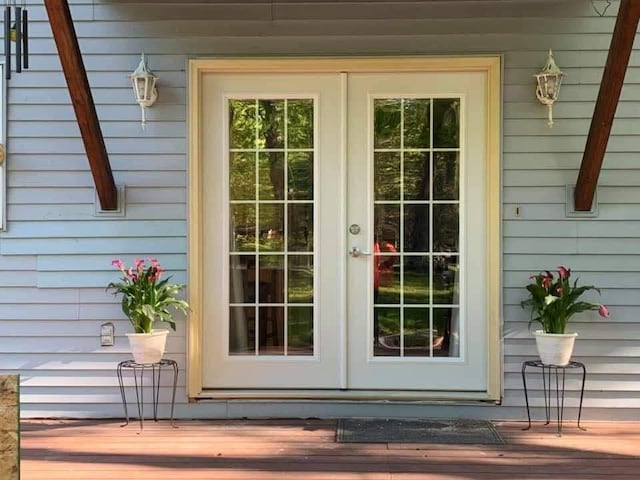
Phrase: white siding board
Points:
(78, 162)
(604, 279)
(31, 296)
(24, 112)
(609, 348)
(169, 211)
(587, 331)
(120, 129)
(581, 263)
(71, 328)
(61, 263)
(44, 345)
(112, 246)
(106, 360)
(83, 279)
(603, 366)
(564, 110)
(545, 211)
(107, 228)
(630, 246)
(77, 378)
(18, 279)
(570, 161)
(115, 145)
(55, 244)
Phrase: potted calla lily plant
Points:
(147, 298)
(553, 300)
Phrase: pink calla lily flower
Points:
(564, 272)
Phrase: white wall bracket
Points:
(119, 212)
(570, 208)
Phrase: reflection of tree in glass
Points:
(300, 173)
(446, 173)
(270, 136)
(445, 228)
(416, 123)
(446, 120)
(387, 123)
(300, 123)
(242, 124)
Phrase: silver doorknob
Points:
(355, 252)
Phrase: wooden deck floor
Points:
(306, 450)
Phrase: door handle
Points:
(355, 252)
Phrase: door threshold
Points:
(345, 395)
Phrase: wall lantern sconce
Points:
(144, 87)
(548, 85)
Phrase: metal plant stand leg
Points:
(546, 389)
(526, 395)
(124, 399)
(175, 384)
(584, 378)
(156, 371)
(140, 396)
(560, 384)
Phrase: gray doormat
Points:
(416, 431)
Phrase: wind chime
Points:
(16, 30)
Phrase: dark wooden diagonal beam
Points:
(624, 34)
(73, 67)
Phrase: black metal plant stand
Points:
(546, 382)
(156, 369)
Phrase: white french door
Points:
(272, 252)
(417, 295)
(379, 285)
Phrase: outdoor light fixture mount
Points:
(548, 85)
(144, 87)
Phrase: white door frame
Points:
(491, 66)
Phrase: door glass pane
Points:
(242, 278)
(271, 331)
(446, 175)
(416, 267)
(271, 212)
(242, 184)
(387, 175)
(242, 124)
(270, 124)
(300, 172)
(300, 236)
(242, 330)
(300, 123)
(300, 331)
(417, 177)
(300, 279)
(271, 175)
(416, 332)
(243, 227)
(387, 123)
(386, 331)
(446, 280)
(271, 289)
(417, 123)
(446, 123)
(271, 227)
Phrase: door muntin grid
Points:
(271, 165)
(416, 235)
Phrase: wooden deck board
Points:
(306, 450)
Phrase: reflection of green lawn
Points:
(301, 286)
(416, 291)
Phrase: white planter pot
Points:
(555, 348)
(148, 347)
